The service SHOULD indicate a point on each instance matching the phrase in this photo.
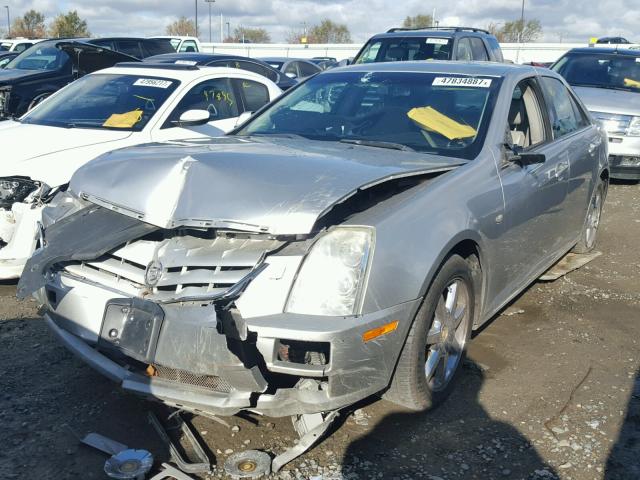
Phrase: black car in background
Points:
(232, 61)
(48, 66)
(434, 43)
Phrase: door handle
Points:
(562, 167)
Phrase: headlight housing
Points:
(4, 101)
(332, 278)
(16, 189)
(634, 127)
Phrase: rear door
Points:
(579, 142)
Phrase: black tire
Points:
(38, 99)
(589, 234)
(410, 386)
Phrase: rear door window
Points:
(565, 114)
(496, 51)
(478, 49)
(129, 47)
(255, 68)
(292, 68)
(306, 69)
(21, 47)
(189, 46)
(463, 50)
(255, 94)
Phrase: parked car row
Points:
(339, 241)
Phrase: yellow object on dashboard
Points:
(123, 120)
(431, 119)
(631, 83)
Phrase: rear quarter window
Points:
(494, 48)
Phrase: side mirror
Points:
(244, 116)
(192, 118)
(516, 155)
(291, 75)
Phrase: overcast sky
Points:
(569, 20)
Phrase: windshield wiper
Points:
(377, 144)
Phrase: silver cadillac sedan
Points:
(343, 242)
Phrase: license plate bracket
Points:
(131, 326)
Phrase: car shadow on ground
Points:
(436, 444)
(624, 459)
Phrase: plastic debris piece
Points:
(568, 263)
(248, 464)
(104, 444)
(129, 465)
(171, 472)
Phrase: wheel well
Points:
(604, 175)
(470, 251)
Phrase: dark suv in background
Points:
(48, 66)
(437, 43)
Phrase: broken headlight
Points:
(4, 101)
(332, 277)
(16, 189)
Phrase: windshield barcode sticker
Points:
(437, 41)
(186, 62)
(152, 82)
(461, 82)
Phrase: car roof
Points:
(182, 74)
(607, 50)
(495, 69)
(443, 32)
(283, 59)
(197, 57)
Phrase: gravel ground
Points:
(551, 389)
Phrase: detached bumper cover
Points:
(624, 157)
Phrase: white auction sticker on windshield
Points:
(461, 82)
(437, 41)
(186, 62)
(152, 82)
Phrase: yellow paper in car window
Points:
(432, 120)
(631, 83)
(123, 120)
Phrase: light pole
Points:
(210, 2)
(196, 18)
(521, 23)
(8, 22)
(228, 29)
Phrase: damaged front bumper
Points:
(18, 237)
(195, 357)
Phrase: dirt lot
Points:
(551, 390)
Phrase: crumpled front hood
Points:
(609, 101)
(277, 185)
(49, 153)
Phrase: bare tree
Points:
(418, 21)
(69, 25)
(183, 27)
(30, 25)
(329, 32)
(250, 35)
(519, 31)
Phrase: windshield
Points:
(427, 112)
(103, 101)
(398, 49)
(604, 70)
(40, 57)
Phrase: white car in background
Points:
(117, 107)
(182, 44)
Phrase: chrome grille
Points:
(204, 381)
(613, 124)
(191, 266)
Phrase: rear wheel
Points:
(435, 348)
(589, 233)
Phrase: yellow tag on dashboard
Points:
(631, 83)
(432, 120)
(123, 120)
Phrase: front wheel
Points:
(435, 348)
(587, 241)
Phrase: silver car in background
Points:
(342, 243)
(607, 81)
